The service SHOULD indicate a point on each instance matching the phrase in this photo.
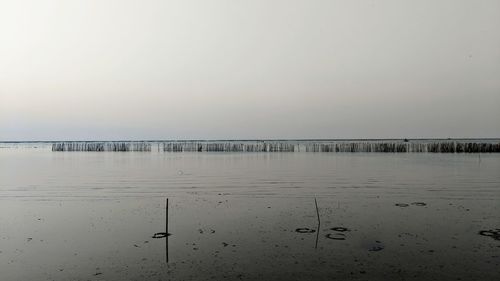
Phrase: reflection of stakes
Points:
(166, 229)
(319, 222)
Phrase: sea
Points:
(240, 215)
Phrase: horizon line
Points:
(277, 139)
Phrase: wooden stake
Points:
(166, 217)
(166, 229)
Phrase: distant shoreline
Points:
(264, 140)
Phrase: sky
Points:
(240, 69)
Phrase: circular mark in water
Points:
(339, 228)
(336, 236)
(161, 235)
(304, 230)
(401, 204)
(419, 204)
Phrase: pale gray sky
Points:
(249, 69)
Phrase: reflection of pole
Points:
(166, 229)
(317, 212)
(319, 223)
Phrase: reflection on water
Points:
(232, 216)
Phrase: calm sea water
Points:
(234, 216)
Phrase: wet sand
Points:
(235, 217)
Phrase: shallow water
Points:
(234, 216)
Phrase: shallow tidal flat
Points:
(248, 216)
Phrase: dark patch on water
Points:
(376, 246)
(493, 233)
(419, 204)
(304, 230)
(340, 229)
(401, 204)
(161, 235)
(338, 234)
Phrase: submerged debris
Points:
(493, 233)
(336, 236)
(340, 229)
(419, 204)
(161, 235)
(305, 230)
(378, 246)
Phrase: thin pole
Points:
(166, 217)
(166, 229)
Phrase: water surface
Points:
(234, 216)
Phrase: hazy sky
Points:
(236, 69)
